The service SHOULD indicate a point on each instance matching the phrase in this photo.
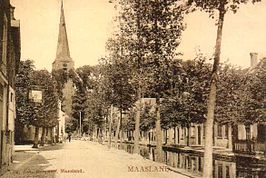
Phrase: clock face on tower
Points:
(65, 66)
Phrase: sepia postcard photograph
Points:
(133, 88)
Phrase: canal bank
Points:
(189, 160)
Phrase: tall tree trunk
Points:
(247, 128)
(120, 127)
(36, 137)
(51, 135)
(166, 139)
(208, 151)
(110, 128)
(121, 130)
(137, 123)
(159, 143)
(105, 128)
(234, 135)
(43, 136)
(46, 135)
(188, 134)
(248, 137)
(46, 140)
(117, 132)
(139, 53)
(97, 133)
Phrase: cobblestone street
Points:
(84, 159)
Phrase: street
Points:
(84, 159)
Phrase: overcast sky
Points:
(89, 24)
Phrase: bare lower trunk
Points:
(166, 140)
(97, 133)
(117, 133)
(174, 142)
(43, 136)
(248, 137)
(234, 135)
(159, 143)
(36, 138)
(105, 129)
(46, 135)
(121, 135)
(188, 135)
(208, 162)
(137, 125)
(52, 135)
(110, 128)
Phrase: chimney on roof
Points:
(12, 10)
(253, 59)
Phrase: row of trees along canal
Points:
(150, 31)
(142, 62)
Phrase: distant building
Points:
(182, 136)
(9, 61)
(64, 61)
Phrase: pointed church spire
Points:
(62, 52)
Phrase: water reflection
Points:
(192, 163)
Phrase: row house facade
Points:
(9, 63)
(183, 136)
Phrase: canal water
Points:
(192, 162)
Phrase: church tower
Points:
(63, 61)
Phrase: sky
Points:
(90, 23)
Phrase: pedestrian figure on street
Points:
(69, 136)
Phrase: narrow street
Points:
(84, 159)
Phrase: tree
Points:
(231, 80)
(210, 6)
(152, 31)
(61, 77)
(251, 96)
(23, 107)
(148, 117)
(46, 113)
(162, 32)
(93, 97)
(78, 109)
(186, 103)
(119, 76)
